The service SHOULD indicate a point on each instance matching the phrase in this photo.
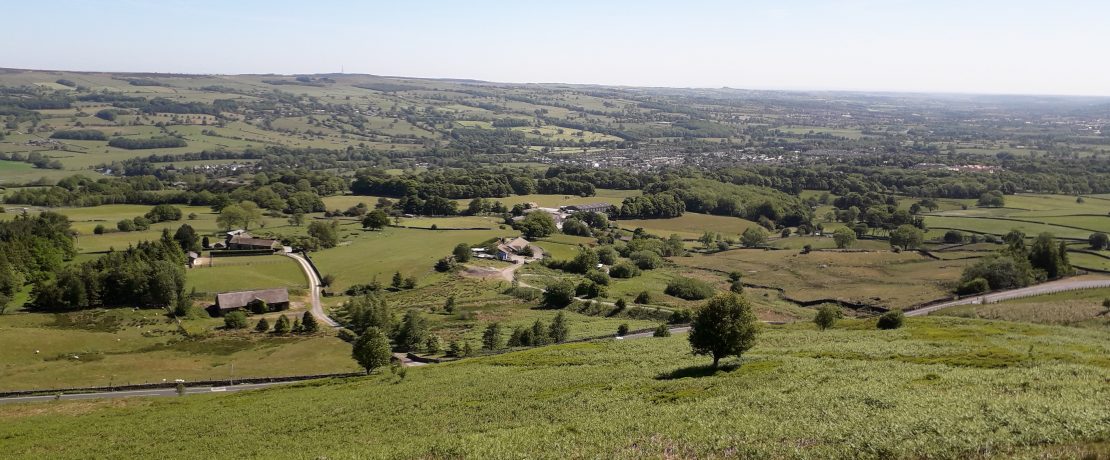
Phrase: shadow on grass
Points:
(697, 371)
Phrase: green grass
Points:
(690, 225)
(142, 346)
(938, 388)
(243, 273)
(906, 278)
(370, 254)
(1079, 308)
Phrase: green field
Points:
(1073, 308)
(243, 273)
(378, 254)
(122, 346)
(907, 278)
(690, 225)
(931, 389)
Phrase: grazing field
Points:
(1089, 261)
(690, 225)
(908, 278)
(378, 254)
(1002, 226)
(120, 346)
(1075, 308)
(490, 222)
(930, 389)
(243, 273)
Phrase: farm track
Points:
(313, 290)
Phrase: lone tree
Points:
(375, 220)
(753, 237)
(1099, 240)
(371, 350)
(906, 237)
(826, 316)
(725, 327)
(844, 237)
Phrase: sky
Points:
(967, 46)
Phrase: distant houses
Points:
(561, 213)
(276, 299)
(508, 248)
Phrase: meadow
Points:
(690, 225)
(241, 273)
(931, 389)
(367, 255)
(908, 278)
(121, 346)
(1073, 308)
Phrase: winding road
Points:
(313, 289)
(1069, 284)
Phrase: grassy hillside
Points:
(940, 387)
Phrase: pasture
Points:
(908, 278)
(929, 389)
(1072, 308)
(121, 346)
(366, 255)
(245, 272)
(690, 225)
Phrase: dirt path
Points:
(1050, 287)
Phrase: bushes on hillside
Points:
(689, 289)
(891, 320)
(624, 270)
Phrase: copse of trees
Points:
(689, 288)
(32, 248)
(152, 273)
(164, 142)
(79, 135)
(163, 212)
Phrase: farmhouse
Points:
(508, 248)
(277, 298)
(249, 242)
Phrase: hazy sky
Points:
(1041, 47)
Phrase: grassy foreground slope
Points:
(939, 387)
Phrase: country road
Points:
(1050, 287)
(313, 289)
(140, 393)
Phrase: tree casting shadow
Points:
(697, 371)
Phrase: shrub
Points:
(163, 212)
(559, 295)
(891, 320)
(644, 297)
(827, 316)
(646, 260)
(681, 316)
(262, 326)
(98, 230)
(590, 290)
(974, 286)
(622, 330)
(598, 276)
(624, 270)
(953, 236)
(689, 289)
(661, 331)
(236, 320)
(737, 287)
(735, 275)
(1099, 240)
